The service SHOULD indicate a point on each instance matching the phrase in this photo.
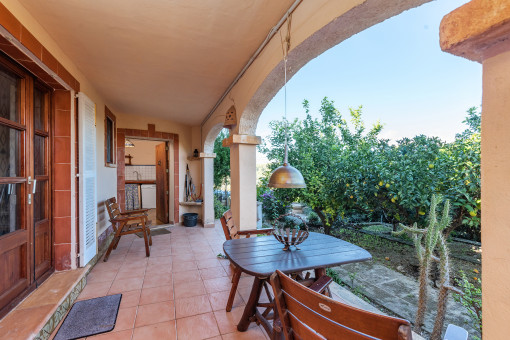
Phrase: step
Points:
(40, 312)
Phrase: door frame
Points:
(150, 134)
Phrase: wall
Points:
(129, 121)
(106, 177)
(144, 152)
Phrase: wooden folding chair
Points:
(129, 222)
(306, 314)
(232, 232)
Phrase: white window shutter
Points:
(87, 178)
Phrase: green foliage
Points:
(471, 299)
(350, 171)
(272, 206)
(222, 161)
(219, 208)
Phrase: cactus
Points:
(426, 241)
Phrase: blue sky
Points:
(397, 71)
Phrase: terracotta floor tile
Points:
(197, 327)
(182, 266)
(156, 252)
(126, 285)
(246, 281)
(219, 284)
(122, 335)
(156, 294)
(156, 269)
(212, 273)
(254, 333)
(192, 306)
(161, 279)
(93, 290)
(130, 299)
(155, 313)
(130, 272)
(227, 321)
(165, 260)
(125, 319)
(159, 331)
(219, 300)
(101, 276)
(106, 266)
(208, 263)
(183, 257)
(187, 276)
(188, 289)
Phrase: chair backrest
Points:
(305, 314)
(113, 208)
(229, 228)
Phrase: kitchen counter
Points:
(140, 182)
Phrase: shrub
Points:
(219, 208)
(272, 207)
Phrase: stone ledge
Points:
(241, 139)
(477, 30)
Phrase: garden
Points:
(368, 191)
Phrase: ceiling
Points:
(163, 58)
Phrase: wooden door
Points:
(25, 230)
(162, 172)
(41, 183)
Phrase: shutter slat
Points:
(87, 179)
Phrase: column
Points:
(208, 189)
(479, 31)
(243, 179)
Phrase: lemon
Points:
(392, 200)
(472, 213)
(421, 212)
(381, 183)
(347, 185)
(350, 196)
(476, 271)
(431, 166)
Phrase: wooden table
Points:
(261, 256)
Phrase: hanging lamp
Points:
(286, 176)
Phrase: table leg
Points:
(251, 305)
(321, 272)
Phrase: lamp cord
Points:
(285, 50)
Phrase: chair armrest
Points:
(255, 231)
(321, 284)
(128, 218)
(137, 211)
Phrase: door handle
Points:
(34, 186)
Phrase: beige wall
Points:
(144, 152)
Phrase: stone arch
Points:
(210, 137)
(355, 20)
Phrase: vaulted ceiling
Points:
(164, 58)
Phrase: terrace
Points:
(83, 79)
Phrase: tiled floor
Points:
(179, 292)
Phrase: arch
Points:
(210, 137)
(351, 22)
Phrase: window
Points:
(109, 137)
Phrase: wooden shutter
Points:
(87, 178)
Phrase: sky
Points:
(396, 71)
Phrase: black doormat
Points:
(90, 317)
(155, 232)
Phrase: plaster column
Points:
(480, 31)
(243, 179)
(208, 188)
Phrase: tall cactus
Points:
(426, 240)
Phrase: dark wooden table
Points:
(261, 256)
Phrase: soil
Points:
(391, 252)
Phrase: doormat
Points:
(155, 232)
(90, 317)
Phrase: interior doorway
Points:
(147, 178)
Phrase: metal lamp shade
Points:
(286, 176)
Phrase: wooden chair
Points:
(232, 232)
(129, 222)
(306, 314)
